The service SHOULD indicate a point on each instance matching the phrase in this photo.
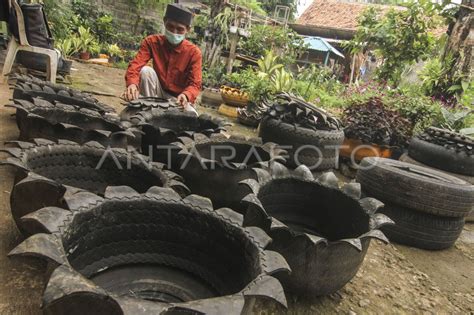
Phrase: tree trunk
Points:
(461, 41)
(213, 46)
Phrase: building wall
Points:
(125, 15)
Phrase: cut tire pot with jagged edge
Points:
(144, 104)
(27, 87)
(311, 136)
(161, 127)
(323, 231)
(213, 166)
(48, 171)
(152, 253)
(42, 119)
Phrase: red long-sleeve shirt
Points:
(179, 68)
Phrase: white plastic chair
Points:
(21, 44)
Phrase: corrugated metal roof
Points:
(320, 44)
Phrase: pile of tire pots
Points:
(443, 150)
(207, 232)
(428, 206)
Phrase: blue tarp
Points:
(320, 44)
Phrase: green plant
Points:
(457, 120)
(266, 37)
(399, 38)
(436, 80)
(114, 51)
(282, 80)
(221, 23)
(421, 111)
(213, 77)
(68, 46)
(253, 5)
(105, 29)
(315, 83)
(60, 18)
(268, 64)
(86, 40)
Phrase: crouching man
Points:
(177, 63)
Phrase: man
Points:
(177, 63)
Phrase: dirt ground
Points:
(394, 279)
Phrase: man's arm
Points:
(141, 59)
(195, 77)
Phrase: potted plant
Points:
(371, 129)
(86, 41)
(68, 48)
(212, 80)
(115, 53)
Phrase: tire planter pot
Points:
(415, 187)
(246, 118)
(26, 88)
(48, 171)
(290, 123)
(421, 230)
(42, 119)
(213, 166)
(357, 150)
(162, 127)
(323, 232)
(143, 104)
(234, 97)
(211, 97)
(444, 150)
(153, 253)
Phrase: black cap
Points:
(180, 14)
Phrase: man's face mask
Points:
(174, 39)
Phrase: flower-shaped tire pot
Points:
(27, 88)
(162, 127)
(311, 136)
(47, 171)
(214, 166)
(152, 253)
(42, 119)
(143, 104)
(322, 231)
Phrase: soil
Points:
(393, 279)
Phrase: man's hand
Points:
(182, 100)
(131, 93)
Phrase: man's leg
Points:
(150, 84)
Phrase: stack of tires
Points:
(444, 150)
(311, 136)
(428, 206)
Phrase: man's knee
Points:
(147, 73)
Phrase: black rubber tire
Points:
(446, 159)
(421, 230)
(408, 159)
(416, 187)
(57, 93)
(272, 130)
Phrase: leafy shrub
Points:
(265, 37)
(60, 19)
(372, 122)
